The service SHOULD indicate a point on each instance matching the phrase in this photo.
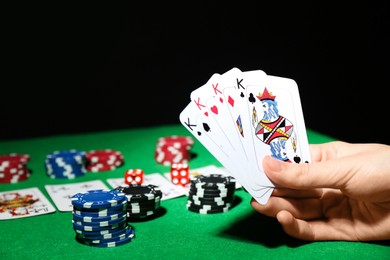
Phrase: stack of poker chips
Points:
(209, 194)
(103, 160)
(66, 164)
(173, 149)
(99, 218)
(13, 168)
(143, 200)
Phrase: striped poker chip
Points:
(14, 178)
(88, 219)
(81, 227)
(127, 232)
(103, 160)
(143, 208)
(173, 149)
(107, 235)
(217, 181)
(95, 199)
(140, 192)
(65, 164)
(207, 209)
(116, 229)
(14, 158)
(210, 191)
(142, 215)
(207, 200)
(141, 204)
(100, 212)
(97, 224)
(13, 168)
(108, 244)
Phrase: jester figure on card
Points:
(274, 129)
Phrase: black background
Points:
(91, 66)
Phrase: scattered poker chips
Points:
(13, 168)
(173, 149)
(210, 194)
(65, 164)
(100, 219)
(143, 200)
(103, 160)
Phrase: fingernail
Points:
(273, 164)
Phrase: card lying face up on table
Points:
(242, 116)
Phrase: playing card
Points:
(208, 125)
(210, 102)
(24, 203)
(237, 123)
(188, 117)
(62, 194)
(168, 189)
(230, 152)
(277, 123)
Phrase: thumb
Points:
(306, 175)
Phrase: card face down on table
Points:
(242, 116)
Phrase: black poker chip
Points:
(143, 200)
(207, 209)
(140, 192)
(213, 181)
(213, 204)
(142, 214)
(211, 201)
(149, 203)
(210, 194)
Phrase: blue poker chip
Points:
(67, 164)
(105, 232)
(128, 232)
(98, 199)
(101, 212)
(107, 244)
(90, 228)
(114, 234)
(67, 155)
(88, 219)
(105, 223)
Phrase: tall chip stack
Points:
(210, 194)
(99, 218)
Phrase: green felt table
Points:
(174, 234)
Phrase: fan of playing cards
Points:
(242, 116)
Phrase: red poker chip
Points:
(103, 155)
(14, 158)
(6, 166)
(175, 139)
(173, 149)
(14, 171)
(103, 160)
(15, 178)
(99, 167)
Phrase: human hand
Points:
(342, 194)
